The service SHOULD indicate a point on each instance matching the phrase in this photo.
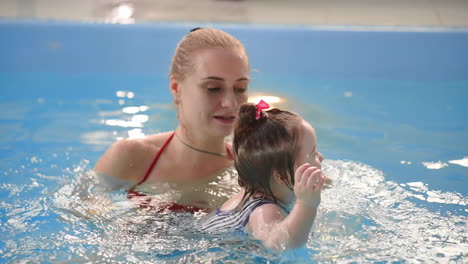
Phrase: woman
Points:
(209, 78)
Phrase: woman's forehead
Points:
(219, 62)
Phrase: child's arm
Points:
(269, 224)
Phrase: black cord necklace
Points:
(201, 150)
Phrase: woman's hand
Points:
(308, 185)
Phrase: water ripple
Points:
(363, 218)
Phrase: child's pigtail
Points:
(246, 123)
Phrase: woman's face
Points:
(210, 95)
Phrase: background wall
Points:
(438, 13)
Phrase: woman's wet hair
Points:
(264, 147)
(197, 39)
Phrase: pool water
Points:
(395, 138)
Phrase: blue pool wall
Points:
(38, 46)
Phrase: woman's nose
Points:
(229, 100)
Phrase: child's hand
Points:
(308, 185)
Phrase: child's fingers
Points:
(313, 178)
(320, 183)
(306, 175)
(300, 171)
(327, 180)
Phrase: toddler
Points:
(279, 167)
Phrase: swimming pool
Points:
(389, 107)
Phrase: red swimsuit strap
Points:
(229, 154)
(163, 206)
(155, 160)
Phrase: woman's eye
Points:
(214, 89)
(240, 90)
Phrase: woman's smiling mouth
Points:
(225, 119)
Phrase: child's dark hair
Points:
(264, 147)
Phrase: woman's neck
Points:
(201, 143)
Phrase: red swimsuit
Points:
(149, 202)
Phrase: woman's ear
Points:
(174, 86)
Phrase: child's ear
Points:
(278, 178)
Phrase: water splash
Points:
(363, 218)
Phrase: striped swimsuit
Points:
(230, 221)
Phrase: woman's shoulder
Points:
(157, 140)
(127, 158)
(139, 146)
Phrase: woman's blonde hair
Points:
(200, 38)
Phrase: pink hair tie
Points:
(261, 106)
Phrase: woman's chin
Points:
(221, 131)
(218, 129)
